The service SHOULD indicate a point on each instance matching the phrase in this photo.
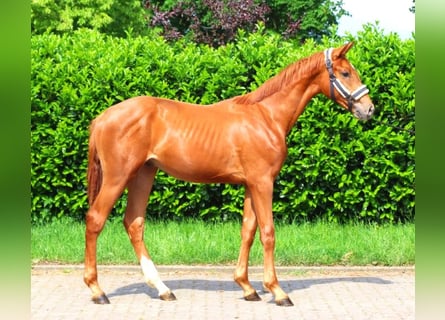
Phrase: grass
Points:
(196, 242)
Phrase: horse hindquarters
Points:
(95, 221)
(105, 185)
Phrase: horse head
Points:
(345, 86)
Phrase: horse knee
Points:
(267, 236)
(247, 237)
(94, 222)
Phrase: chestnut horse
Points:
(239, 141)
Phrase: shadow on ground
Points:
(226, 285)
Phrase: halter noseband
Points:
(335, 83)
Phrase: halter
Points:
(334, 82)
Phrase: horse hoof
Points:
(284, 302)
(168, 296)
(102, 299)
(252, 297)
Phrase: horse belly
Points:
(197, 144)
(200, 162)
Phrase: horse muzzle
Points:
(363, 111)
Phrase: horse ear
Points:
(341, 52)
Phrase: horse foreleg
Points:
(95, 221)
(261, 193)
(139, 189)
(247, 236)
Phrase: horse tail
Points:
(94, 173)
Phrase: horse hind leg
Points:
(95, 221)
(139, 189)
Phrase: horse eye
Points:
(345, 74)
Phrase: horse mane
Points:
(286, 77)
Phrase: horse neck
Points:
(285, 96)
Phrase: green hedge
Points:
(338, 168)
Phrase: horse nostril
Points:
(371, 109)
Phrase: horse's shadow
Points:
(227, 285)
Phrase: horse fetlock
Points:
(239, 278)
(245, 285)
(271, 286)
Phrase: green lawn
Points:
(196, 242)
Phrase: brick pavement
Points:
(58, 292)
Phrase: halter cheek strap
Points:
(335, 83)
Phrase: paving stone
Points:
(58, 292)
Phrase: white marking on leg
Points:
(151, 276)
